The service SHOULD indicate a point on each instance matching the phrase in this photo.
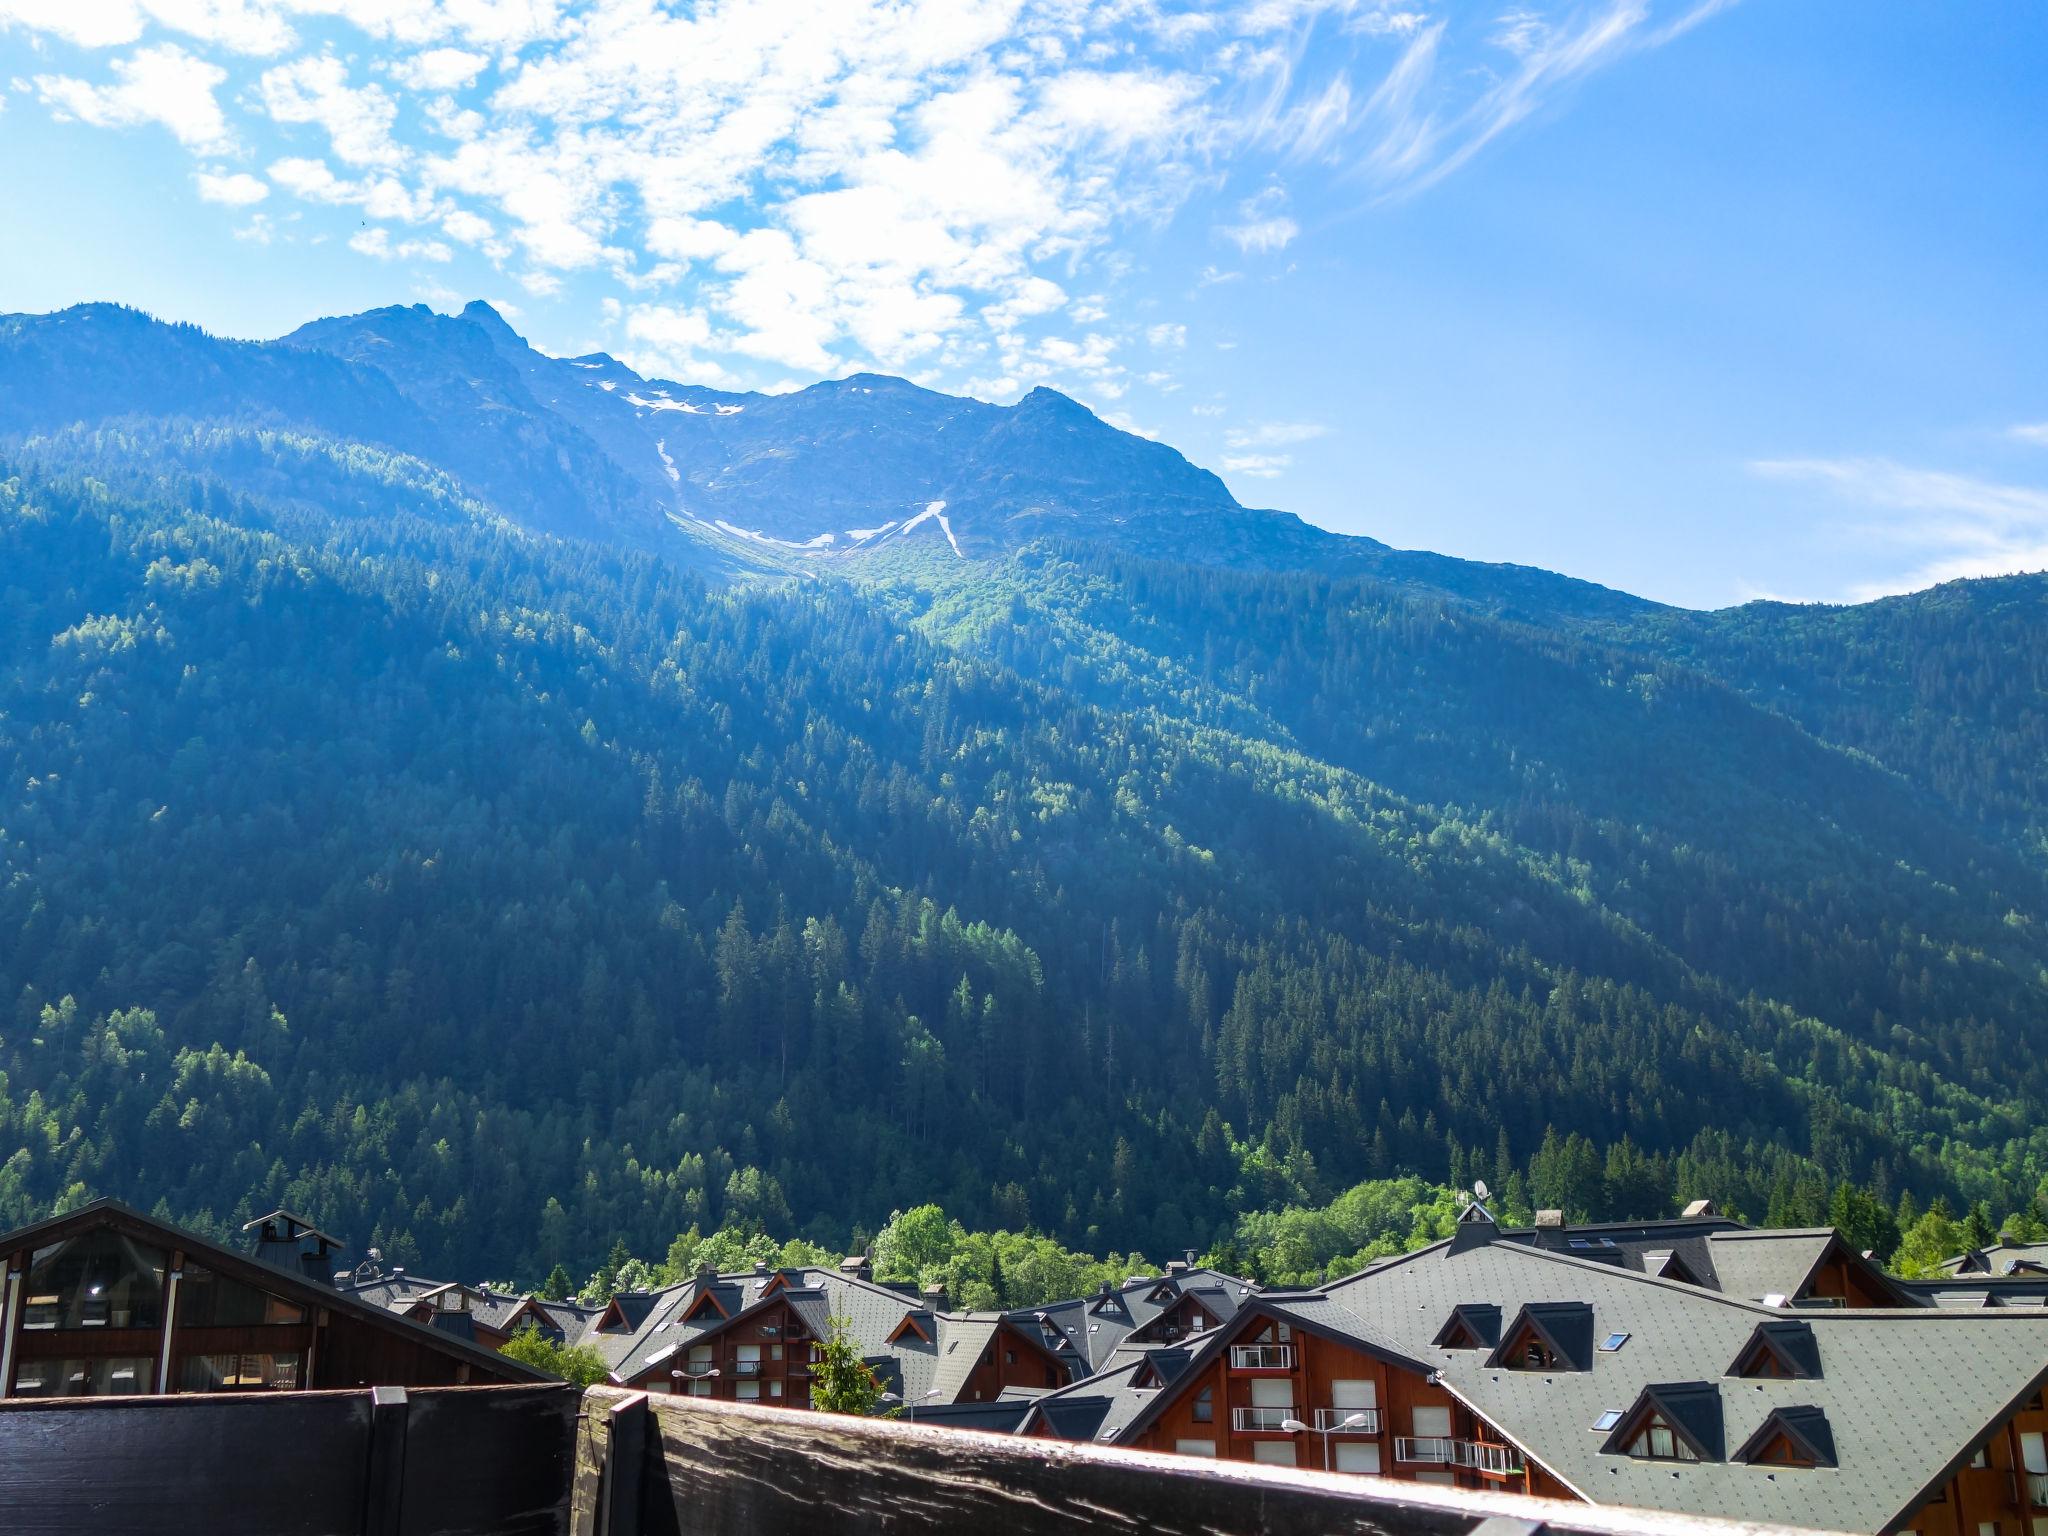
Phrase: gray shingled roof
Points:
(1997, 1259)
(1904, 1393)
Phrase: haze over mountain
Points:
(499, 803)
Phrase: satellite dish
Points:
(1479, 1190)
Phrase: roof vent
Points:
(856, 1266)
(1700, 1208)
(1549, 1219)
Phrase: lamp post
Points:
(909, 1408)
(1296, 1427)
(677, 1378)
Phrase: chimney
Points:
(935, 1296)
(1105, 1290)
(1176, 1267)
(856, 1266)
(1550, 1220)
(294, 1244)
(1700, 1208)
(706, 1274)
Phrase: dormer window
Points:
(707, 1310)
(1547, 1336)
(1655, 1440)
(1780, 1351)
(1470, 1327)
(1791, 1437)
(1673, 1421)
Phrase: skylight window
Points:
(1608, 1420)
(1612, 1342)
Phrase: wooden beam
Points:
(730, 1469)
(626, 1464)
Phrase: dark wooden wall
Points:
(663, 1466)
(385, 1462)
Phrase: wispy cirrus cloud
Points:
(1955, 525)
(947, 188)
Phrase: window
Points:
(748, 1391)
(107, 1376)
(1354, 1394)
(700, 1388)
(1430, 1423)
(97, 1280)
(775, 1389)
(1449, 1479)
(272, 1372)
(1009, 1357)
(1278, 1453)
(1981, 1457)
(1204, 1411)
(208, 1300)
(1612, 1343)
(700, 1359)
(1987, 1528)
(1195, 1447)
(1356, 1456)
(1607, 1420)
(774, 1351)
(1270, 1393)
(1656, 1441)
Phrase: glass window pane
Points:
(95, 1280)
(208, 1300)
(111, 1376)
(239, 1373)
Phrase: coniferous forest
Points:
(501, 898)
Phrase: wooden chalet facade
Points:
(104, 1301)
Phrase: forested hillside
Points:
(496, 896)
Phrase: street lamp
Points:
(1296, 1427)
(677, 1378)
(909, 1409)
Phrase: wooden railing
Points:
(659, 1466)
(376, 1462)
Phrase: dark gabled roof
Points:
(1691, 1408)
(1802, 1424)
(1789, 1341)
(1566, 1326)
(1478, 1321)
(296, 1226)
(266, 1277)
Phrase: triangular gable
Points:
(1547, 1336)
(707, 1309)
(776, 1282)
(1791, 1437)
(1669, 1266)
(1471, 1325)
(1690, 1409)
(910, 1324)
(612, 1319)
(1779, 1349)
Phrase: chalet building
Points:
(1493, 1360)
(490, 1317)
(752, 1338)
(106, 1301)
(2008, 1256)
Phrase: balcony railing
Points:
(1260, 1420)
(746, 1368)
(1334, 1420)
(1262, 1357)
(1436, 1450)
(1489, 1460)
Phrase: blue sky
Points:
(1707, 299)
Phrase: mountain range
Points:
(500, 803)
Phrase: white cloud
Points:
(1170, 335)
(2035, 433)
(1274, 434)
(107, 24)
(237, 190)
(1262, 236)
(357, 120)
(1958, 524)
(1260, 466)
(440, 69)
(163, 84)
(377, 242)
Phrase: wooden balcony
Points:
(1262, 1357)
